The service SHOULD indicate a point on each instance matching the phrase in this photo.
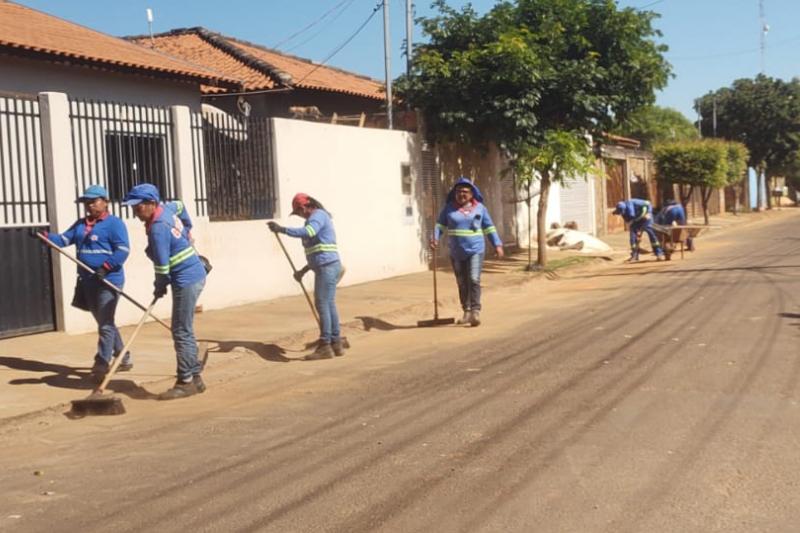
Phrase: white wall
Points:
(553, 212)
(32, 77)
(354, 172)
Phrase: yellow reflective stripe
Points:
(490, 229)
(181, 256)
(310, 230)
(441, 226)
(321, 248)
(161, 269)
(464, 232)
(179, 206)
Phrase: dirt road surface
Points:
(650, 397)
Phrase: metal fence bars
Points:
(26, 282)
(239, 167)
(120, 145)
(22, 185)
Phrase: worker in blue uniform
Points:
(673, 213)
(467, 223)
(638, 214)
(101, 240)
(176, 263)
(322, 256)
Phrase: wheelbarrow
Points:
(671, 236)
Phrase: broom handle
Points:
(118, 359)
(294, 271)
(435, 293)
(105, 281)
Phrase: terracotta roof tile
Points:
(25, 30)
(259, 67)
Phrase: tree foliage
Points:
(762, 113)
(528, 69)
(706, 164)
(654, 124)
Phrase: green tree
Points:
(530, 74)
(763, 114)
(655, 124)
(736, 171)
(689, 164)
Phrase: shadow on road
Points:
(795, 316)
(267, 352)
(66, 377)
(371, 323)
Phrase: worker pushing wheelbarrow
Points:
(671, 229)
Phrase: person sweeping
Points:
(638, 214)
(176, 263)
(101, 240)
(322, 256)
(467, 222)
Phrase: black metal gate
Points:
(239, 167)
(26, 282)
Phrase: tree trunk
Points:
(735, 200)
(685, 196)
(705, 196)
(530, 232)
(541, 220)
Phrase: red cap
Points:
(299, 201)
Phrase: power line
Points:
(315, 35)
(311, 25)
(734, 53)
(651, 4)
(345, 43)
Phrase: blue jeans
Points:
(644, 226)
(468, 277)
(102, 303)
(184, 300)
(325, 278)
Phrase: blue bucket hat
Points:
(92, 192)
(145, 192)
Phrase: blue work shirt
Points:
(100, 242)
(169, 245)
(318, 238)
(467, 226)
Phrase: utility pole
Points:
(409, 32)
(387, 62)
(714, 115)
(763, 38)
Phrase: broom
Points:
(99, 403)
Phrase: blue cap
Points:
(92, 192)
(620, 208)
(144, 192)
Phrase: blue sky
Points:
(712, 42)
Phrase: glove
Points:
(101, 272)
(274, 227)
(160, 285)
(298, 276)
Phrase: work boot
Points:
(198, 383)
(464, 319)
(323, 351)
(633, 258)
(338, 348)
(181, 389)
(126, 365)
(475, 318)
(99, 371)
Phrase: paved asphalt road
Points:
(642, 398)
